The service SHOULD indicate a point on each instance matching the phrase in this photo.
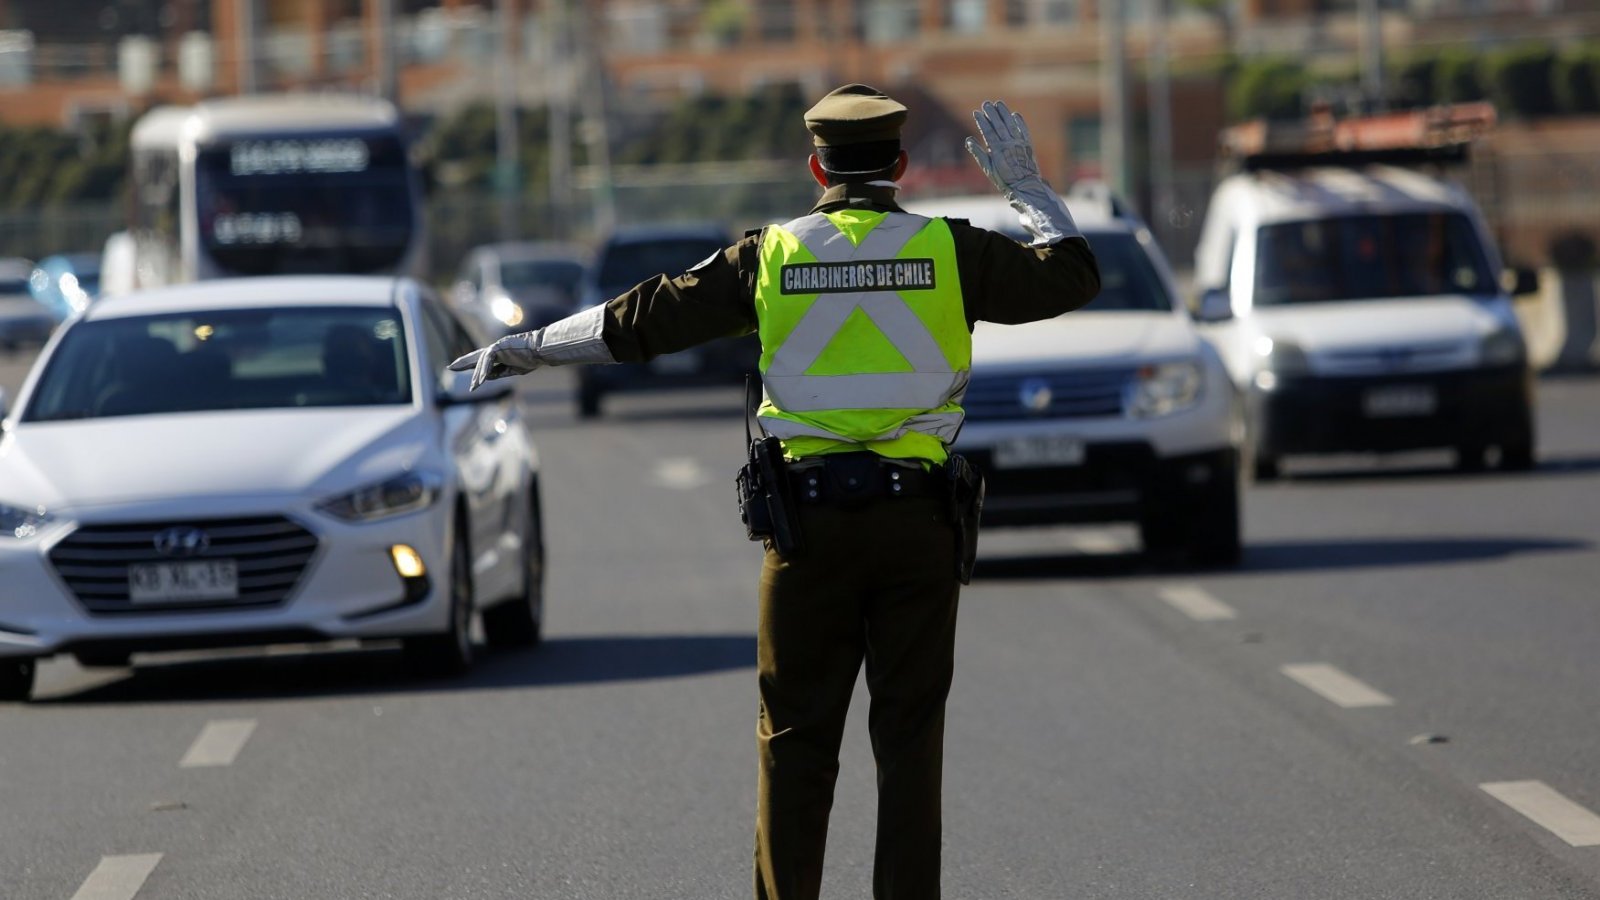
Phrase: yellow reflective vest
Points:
(863, 334)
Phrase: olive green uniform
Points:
(875, 584)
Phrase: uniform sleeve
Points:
(1010, 283)
(715, 299)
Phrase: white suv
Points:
(1119, 411)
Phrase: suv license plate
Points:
(1038, 453)
(1402, 400)
(213, 579)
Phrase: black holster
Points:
(766, 503)
(966, 508)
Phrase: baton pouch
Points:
(966, 507)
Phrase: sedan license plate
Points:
(1038, 452)
(212, 579)
(1399, 401)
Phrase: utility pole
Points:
(1372, 55)
(1163, 196)
(1113, 96)
(380, 48)
(507, 152)
(246, 61)
(558, 106)
(597, 127)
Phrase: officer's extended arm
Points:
(575, 339)
(1006, 156)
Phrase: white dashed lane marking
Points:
(1336, 686)
(118, 877)
(219, 743)
(1197, 604)
(1549, 810)
(682, 474)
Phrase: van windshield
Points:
(1370, 257)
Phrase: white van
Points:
(1119, 411)
(1367, 315)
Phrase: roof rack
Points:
(1438, 134)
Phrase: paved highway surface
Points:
(1394, 697)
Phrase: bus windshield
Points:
(305, 205)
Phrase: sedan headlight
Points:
(401, 494)
(1503, 348)
(1163, 389)
(22, 521)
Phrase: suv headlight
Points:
(1503, 348)
(1163, 389)
(505, 309)
(22, 522)
(401, 494)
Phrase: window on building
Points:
(966, 16)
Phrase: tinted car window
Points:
(1128, 280)
(563, 274)
(1369, 257)
(625, 264)
(228, 359)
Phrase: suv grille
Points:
(271, 551)
(1092, 393)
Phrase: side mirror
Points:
(1215, 306)
(1521, 281)
(455, 389)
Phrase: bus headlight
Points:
(1164, 389)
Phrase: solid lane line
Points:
(1098, 543)
(219, 743)
(1197, 604)
(1336, 686)
(118, 877)
(1547, 808)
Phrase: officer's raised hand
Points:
(1006, 156)
(575, 339)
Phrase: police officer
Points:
(865, 315)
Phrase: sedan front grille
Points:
(1092, 393)
(272, 553)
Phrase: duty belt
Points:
(858, 478)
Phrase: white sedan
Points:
(258, 461)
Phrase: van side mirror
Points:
(1215, 306)
(1521, 281)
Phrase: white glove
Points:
(1006, 156)
(514, 354)
(575, 339)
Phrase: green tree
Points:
(1457, 77)
(1577, 80)
(1416, 80)
(1520, 80)
(1269, 88)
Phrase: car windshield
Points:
(1128, 280)
(1370, 257)
(517, 274)
(626, 264)
(293, 357)
(305, 205)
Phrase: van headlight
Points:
(1163, 389)
(1503, 348)
(22, 522)
(401, 494)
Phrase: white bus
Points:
(269, 185)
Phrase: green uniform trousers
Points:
(876, 584)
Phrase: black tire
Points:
(519, 622)
(1471, 457)
(1161, 531)
(449, 653)
(1214, 529)
(104, 659)
(1518, 456)
(588, 400)
(16, 680)
(1266, 467)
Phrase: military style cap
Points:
(855, 114)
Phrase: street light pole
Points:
(507, 151)
(1113, 96)
(1372, 54)
(1163, 199)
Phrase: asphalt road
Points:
(1116, 730)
